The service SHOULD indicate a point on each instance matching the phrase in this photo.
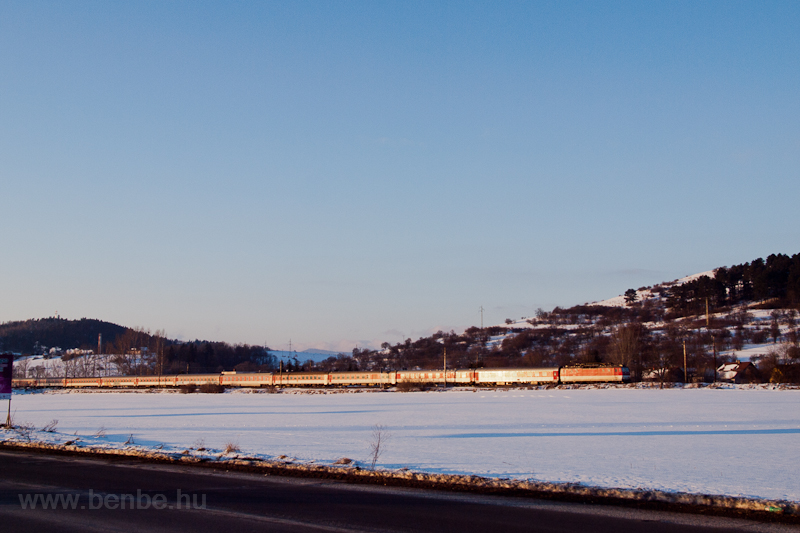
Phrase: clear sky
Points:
(347, 173)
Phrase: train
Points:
(457, 377)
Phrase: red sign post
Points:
(6, 373)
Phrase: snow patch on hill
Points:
(647, 294)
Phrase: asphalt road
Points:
(97, 495)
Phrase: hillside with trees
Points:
(38, 336)
(132, 351)
(673, 331)
(746, 311)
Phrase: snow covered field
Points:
(734, 441)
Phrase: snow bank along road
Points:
(734, 441)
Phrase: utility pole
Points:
(685, 371)
(714, 349)
(159, 358)
(481, 317)
(445, 367)
(713, 340)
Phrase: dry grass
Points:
(232, 447)
(411, 386)
(24, 430)
(407, 386)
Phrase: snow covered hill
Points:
(647, 293)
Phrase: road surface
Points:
(97, 494)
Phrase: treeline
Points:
(204, 356)
(775, 281)
(137, 352)
(133, 351)
(471, 349)
(36, 335)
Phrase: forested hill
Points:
(743, 312)
(134, 351)
(36, 335)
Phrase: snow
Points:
(736, 440)
(616, 301)
(54, 366)
(687, 279)
(619, 301)
(749, 352)
(51, 363)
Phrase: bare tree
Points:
(133, 355)
(158, 350)
(88, 365)
(70, 367)
(21, 368)
(625, 343)
(377, 443)
(664, 361)
(52, 369)
(774, 327)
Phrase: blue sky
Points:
(344, 173)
